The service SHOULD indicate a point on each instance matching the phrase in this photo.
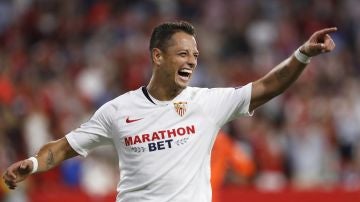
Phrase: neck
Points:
(163, 92)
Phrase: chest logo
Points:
(128, 120)
(180, 108)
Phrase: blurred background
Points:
(61, 60)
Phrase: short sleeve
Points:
(226, 104)
(93, 133)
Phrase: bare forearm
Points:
(53, 153)
(276, 81)
(283, 75)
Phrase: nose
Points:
(192, 61)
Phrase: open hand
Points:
(319, 42)
(17, 172)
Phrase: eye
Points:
(196, 55)
(183, 54)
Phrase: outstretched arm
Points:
(284, 74)
(49, 156)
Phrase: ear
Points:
(156, 55)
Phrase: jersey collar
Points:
(155, 101)
(147, 95)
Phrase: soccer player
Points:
(163, 133)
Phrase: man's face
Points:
(179, 59)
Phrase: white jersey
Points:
(163, 146)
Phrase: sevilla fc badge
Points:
(180, 107)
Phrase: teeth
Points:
(186, 71)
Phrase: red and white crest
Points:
(180, 107)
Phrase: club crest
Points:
(180, 107)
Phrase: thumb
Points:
(24, 168)
(318, 46)
(315, 49)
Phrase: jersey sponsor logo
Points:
(180, 107)
(128, 120)
(159, 140)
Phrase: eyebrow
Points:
(187, 50)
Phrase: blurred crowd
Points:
(61, 60)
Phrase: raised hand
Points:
(319, 42)
(17, 172)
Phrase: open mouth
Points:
(185, 73)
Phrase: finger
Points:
(326, 31)
(8, 179)
(333, 45)
(329, 43)
(11, 174)
(10, 183)
(23, 165)
(12, 186)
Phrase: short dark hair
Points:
(163, 32)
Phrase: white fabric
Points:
(163, 156)
(301, 57)
(35, 164)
